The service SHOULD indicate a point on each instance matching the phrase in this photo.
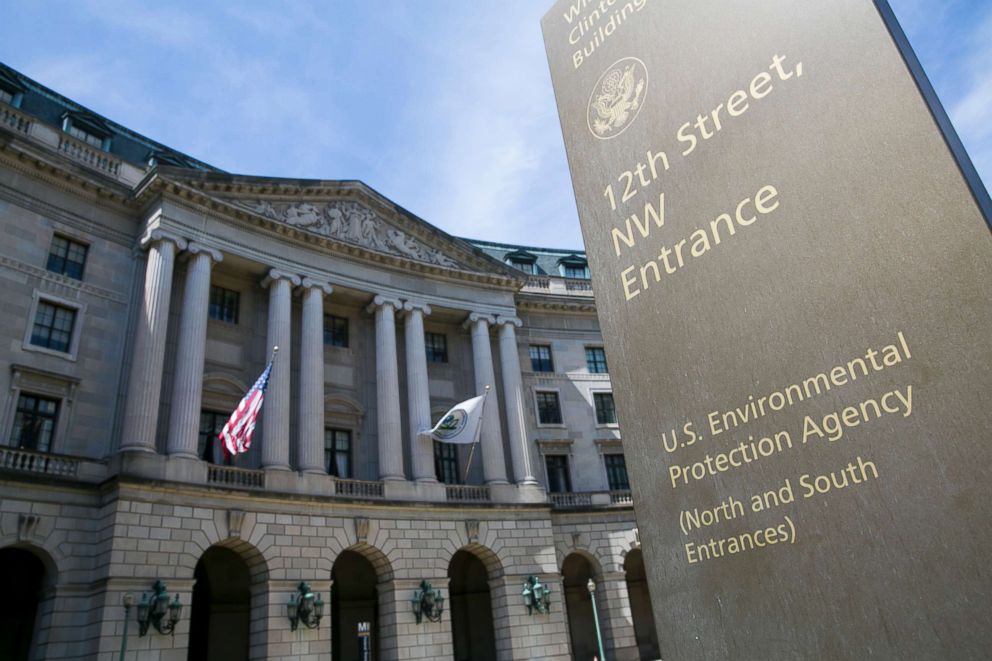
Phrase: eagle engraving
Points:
(617, 98)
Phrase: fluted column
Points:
(187, 387)
(418, 392)
(387, 389)
(311, 425)
(513, 401)
(145, 382)
(275, 409)
(491, 438)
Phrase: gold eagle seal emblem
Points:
(617, 97)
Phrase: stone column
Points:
(387, 389)
(615, 617)
(275, 408)
(491, 438)
(187, 387)
(310, 457)
(513, 400)
(145, 383)
(418, 392)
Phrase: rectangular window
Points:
(606, 412)
(91, 136)
(596, 360)
(446, 463)
(574, 272)
(559, 480)
(526, 267)
(53, 326)
(437, 347)
(209, 446)
(540, 358)
(34, 423)
(67, 257)
(337, 452)
(6, 97)
(224, 304)
(548, 408)
(616, 472)
(335, 331)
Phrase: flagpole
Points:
(468, 466)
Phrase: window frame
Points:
(335, 451)
(565, 464)
(537, 407)
(218, 417)
(330, 328)
(222, 305)
(81, 130)
(611, 469)
(53, 428)
(591, 363)
(597, 396)
(39, 298)
(452, 462)
(70, 244)
(434, 355)
(550, 358)
(45, 384)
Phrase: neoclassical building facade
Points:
(144, 292)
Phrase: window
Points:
(91, 135)
(596, 360)
(224, 304)
(446, 463)
(527, 267)
(10, 97)
(34, 423)
(337, 452)
(540, 358)
(209, 447)
(606, 412)
(53, 326)
(616, 472)
(437, 347)
(67, 257)
(574, 271)
(548, 408)
(335, 331)
(559, 480)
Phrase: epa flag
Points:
(462, 423)
(236, 434)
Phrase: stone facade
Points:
(189, 278)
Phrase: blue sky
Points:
(444, 106)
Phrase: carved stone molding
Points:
(362, 529)
(26, 526)
(235, 520)
(349, 222)
(472, 530)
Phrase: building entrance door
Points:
(21, 578)
(354, 607)
(220, 617)
(471, 609)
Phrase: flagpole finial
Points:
(487, 387)
(275, 349)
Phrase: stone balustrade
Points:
(236, 478)
(26, 461)
(358, 488)
(467, 493)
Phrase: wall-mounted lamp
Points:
(537, 596)
(427, 602)
(155, 609)
(304, 607)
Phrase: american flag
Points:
(236, 434)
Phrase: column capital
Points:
(311, 283)
(380, 301)
(157, 235)
(410, 306)
(479, 316)
(196, 248)
(508, 321)
(275, 274)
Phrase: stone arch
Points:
(257, 578)
(50, 558)
(475, 582)
(362, 591)
(28, 578)
(380, 562)
(578, 566)
(490, 560)
(598, 564)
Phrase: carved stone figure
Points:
(350, 222)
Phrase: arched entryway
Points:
(354, 603)
(576, 572)
(22, 578)
(220, 615)
(640, 606)
(471, 608)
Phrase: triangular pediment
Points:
(345, 213)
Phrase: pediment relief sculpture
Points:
(349, 222)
